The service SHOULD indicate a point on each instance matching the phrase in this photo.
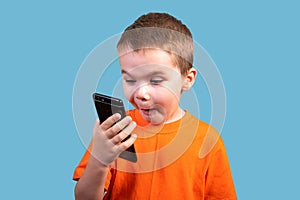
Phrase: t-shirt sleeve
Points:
(219, 182)
(82, 165)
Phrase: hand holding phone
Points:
(116, 130)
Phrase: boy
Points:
(179, 156)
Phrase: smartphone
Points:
(106, 106)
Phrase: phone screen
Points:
(106, 106)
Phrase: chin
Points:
(158, 120)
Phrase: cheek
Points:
(128, 92)
(173, 89)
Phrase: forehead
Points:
(147, 61)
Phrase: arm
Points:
(106, 148)
(219, 182)
(91, 183)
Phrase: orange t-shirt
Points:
(185, 159)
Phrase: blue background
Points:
(255, 45)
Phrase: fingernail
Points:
(129, 118)
(117, 116)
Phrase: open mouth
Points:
(147, 111)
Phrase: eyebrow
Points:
(151, 74)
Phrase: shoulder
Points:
(208, 136)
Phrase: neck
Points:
(177, 115)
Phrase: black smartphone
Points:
(106, 106)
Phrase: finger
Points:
(126, 144)
(119, 126)
(97, 123)
(124, 133)
(110, 121)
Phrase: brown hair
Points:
(160, 31)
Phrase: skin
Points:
(153, 84)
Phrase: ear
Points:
(189, 79)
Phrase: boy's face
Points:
(153, 85)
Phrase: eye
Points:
(130, 81)
(156, 81)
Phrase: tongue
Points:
(156, 117)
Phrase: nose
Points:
(142, 93)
